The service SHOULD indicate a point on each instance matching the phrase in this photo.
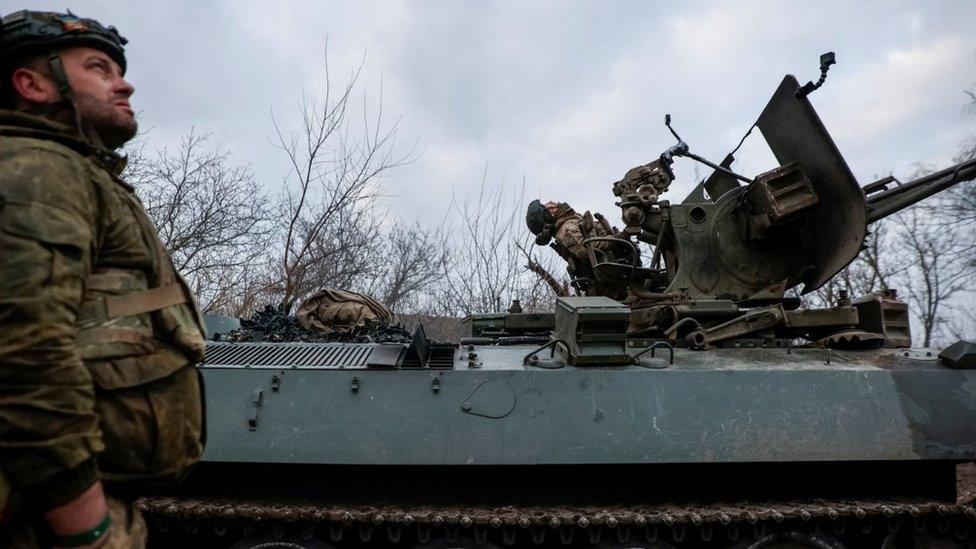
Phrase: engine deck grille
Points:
(287, 355)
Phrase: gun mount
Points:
(725, 256)
(888, 195)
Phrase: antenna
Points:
(667, 122)
(826, 60)
(682, 149)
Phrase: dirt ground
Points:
(966, 482)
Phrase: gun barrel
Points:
(882, 201)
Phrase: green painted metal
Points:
(724, 406)
(507, 324)
(594, 330)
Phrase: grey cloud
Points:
(566, 95)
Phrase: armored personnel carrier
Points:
(710, 410)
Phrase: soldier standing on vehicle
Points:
(99, 396)
(558, 222)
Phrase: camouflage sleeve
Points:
(571, 238)
(48, 428)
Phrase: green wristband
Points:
(84, 538)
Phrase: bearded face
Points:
(101, 94)
(114, 125)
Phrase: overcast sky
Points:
(567, 95)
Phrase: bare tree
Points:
(959, 204)
(962, 323)
(411, 262)
(331, 190)
(874, 269)
(210, 214)
(547, 285)
(951, 247)
(344, 251)
(937, 273)
(485, 270)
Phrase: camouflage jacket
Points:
(98, 333)
(569, 244)
(569, 235)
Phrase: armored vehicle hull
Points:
(311, 444)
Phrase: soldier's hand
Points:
(80, 515)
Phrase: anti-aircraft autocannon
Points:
(725, 257)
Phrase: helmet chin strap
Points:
(60, 76)
(84, 128)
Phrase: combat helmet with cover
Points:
(27, 32)
(540, 222)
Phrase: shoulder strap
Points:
(134, 303)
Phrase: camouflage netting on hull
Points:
(272, 324)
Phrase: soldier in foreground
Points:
(99, 335)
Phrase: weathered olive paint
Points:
(727, 405)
